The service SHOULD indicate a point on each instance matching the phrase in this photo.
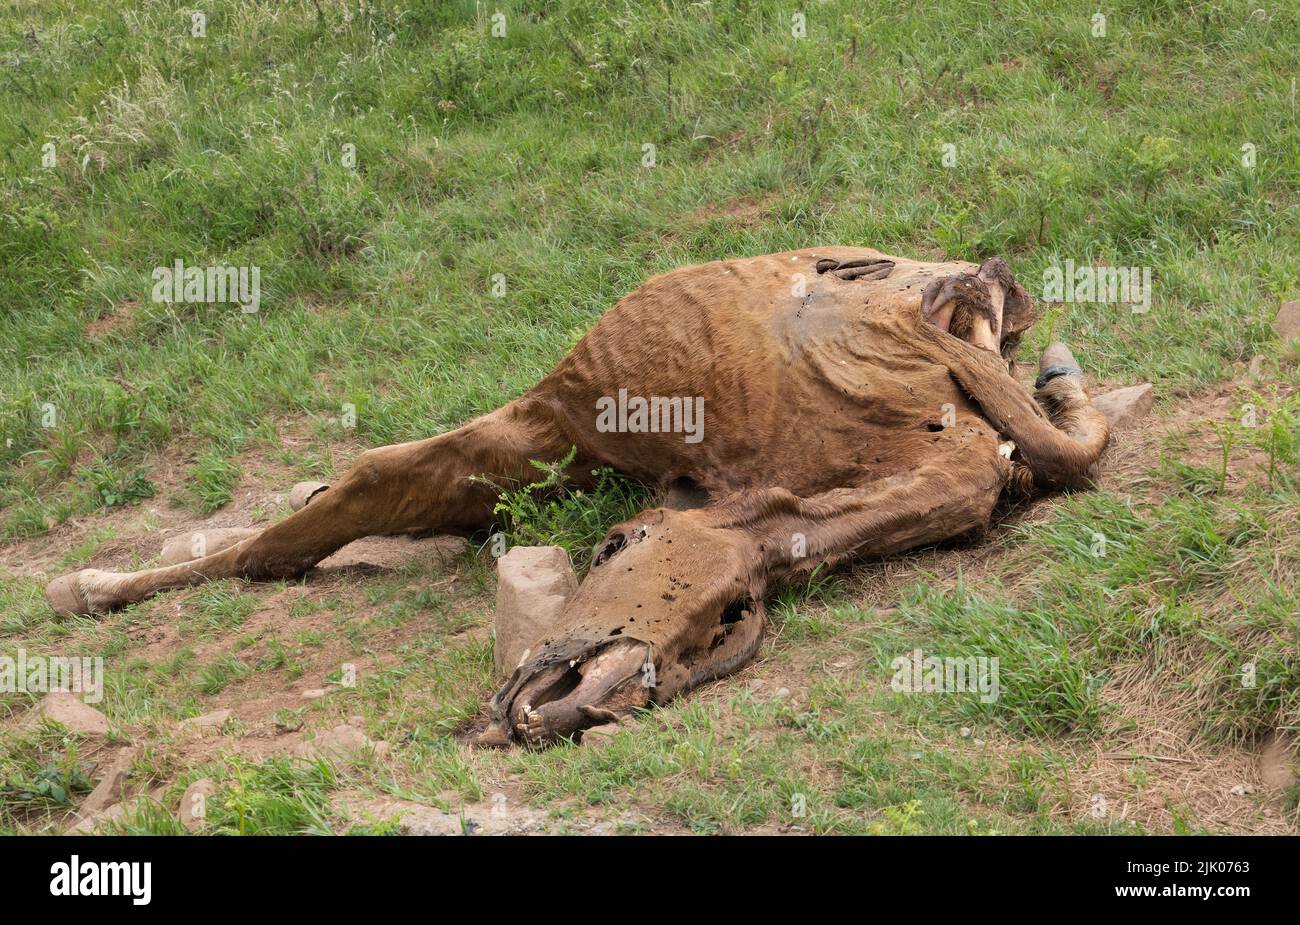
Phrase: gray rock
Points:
(600, 735)
(193, 809)
(343, 743)
(207, 722)
(1287, 323)
(1124, 406)
(92, 823)
(80, 718)
(495, 817)
(534, 583)
(111, 786)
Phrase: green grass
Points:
(43, 769)
(522, 156)
(548, 513)
(215, 476)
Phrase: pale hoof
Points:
(66, 597)
(1057, 354)
(494, 736)
(304, 492)
(190, 546)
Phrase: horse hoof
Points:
(1059, 355)
(66, 597)
(304, 492)
(190, 546)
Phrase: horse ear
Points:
(1018, 311)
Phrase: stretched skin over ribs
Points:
(854, 403)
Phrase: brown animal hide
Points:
(827, 403)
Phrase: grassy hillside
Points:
(438, 213)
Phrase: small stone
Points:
(91, 823)
(208, 721)
(390, 553)
(965, 732)
(316, 693)
(193, 809)
(342, 743)
(600, 735)
(781, 693)
(1287, 323)
(1122, 407)
(494, 817)
(110, 787)
(1242, 790)
(198, 543)
(68, 710)
(534, 584)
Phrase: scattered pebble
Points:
(192, 811)
(343, 743)
(214, 720)
(600, 735)
(109, 789)
(92, 822)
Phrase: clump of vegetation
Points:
(549, 512)
(215, 477)
(117, 486)
(54, 783)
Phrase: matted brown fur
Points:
(854, 403)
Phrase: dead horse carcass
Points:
(819, 404)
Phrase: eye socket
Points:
(609, 549)
(736, 611)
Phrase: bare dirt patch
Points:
(744, 212)
(119, 320)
